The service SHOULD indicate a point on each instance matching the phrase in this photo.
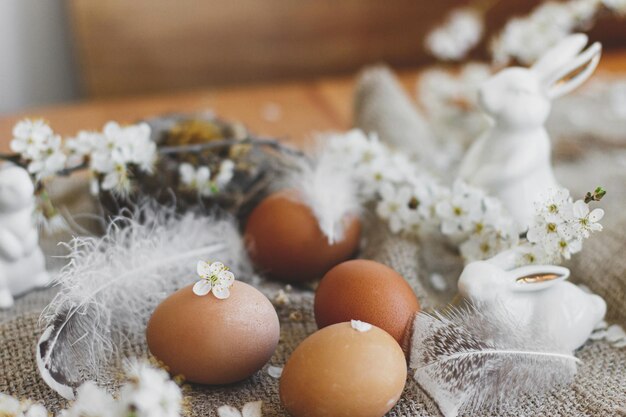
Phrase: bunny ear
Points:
(574, 74)
(559, 55)
(536, 277)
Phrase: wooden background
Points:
(305, 107)
(144, 46)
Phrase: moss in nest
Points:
(193, 131)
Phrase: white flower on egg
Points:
(215, 277)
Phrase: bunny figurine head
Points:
(520, 97)
(16, 189)
(538, 297)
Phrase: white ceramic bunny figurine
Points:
(538, 295)
(22, 264)
(512, 160)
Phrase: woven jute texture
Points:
(600, 385)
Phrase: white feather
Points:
(112, 284)
(476, 358)
(328, 188)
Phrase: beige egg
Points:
(369, 291)
(343, 372)
(213, 341)
(285, 241)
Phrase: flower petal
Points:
(252, 409)
(203, 175)
(580, 209)
(275, 371)
(204, 269)
(360, 326)
(226, 278)
(216, 268)
(110, 180)
(187, 173)
(596, 215)
(202, 287)
(228, 411)
(221, 292)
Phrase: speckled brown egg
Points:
(213, 341)
(340, 371)
(368, 291)
(284, 239)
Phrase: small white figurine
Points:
(512, 160)
(22, 264)
(537, 295)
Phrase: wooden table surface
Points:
(292, 111)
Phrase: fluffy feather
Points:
(112, 284)
(328, 188)
(472, 358)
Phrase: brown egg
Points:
(213, 341)
(340, 371)
(368, 291)
(284, 239)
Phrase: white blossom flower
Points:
(450, 101)
(479, 247)
(225, 173)
(543, 230)
(584, 221)
(36, 143)
(616, 335)
(81, 146)
(373, 167)
(30, 138)
(459, 212)
(348, 147)
(251, 409)
(526, 39)
(216, 278)
(584, 10)
(117, 179)
(560, 225)
(394, 206)
(10, 406)
(553, 205)
(198, 179)
(92, 401)
(36, 410)
(119, 148)
(149, 392)
(531, 254)
(461, 32)
(50, 159)
(618, 6)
